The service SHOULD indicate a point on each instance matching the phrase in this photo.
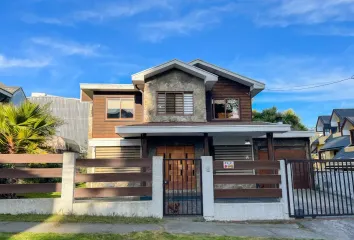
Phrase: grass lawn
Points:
(132, 236)
(76, 219)
(40, 195)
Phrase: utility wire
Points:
(303, 87)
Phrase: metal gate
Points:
(182, 187)
(330, 191)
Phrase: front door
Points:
(182, 185)
(179, 166)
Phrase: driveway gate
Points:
(331, 191)
(182, 187)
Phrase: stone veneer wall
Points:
(177, 81)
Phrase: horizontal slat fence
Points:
(122, 176)
(16, 167)
(228, 182)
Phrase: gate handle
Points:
(165, 182)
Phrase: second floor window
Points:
(175, 103)
(120, 108)
(226, 108)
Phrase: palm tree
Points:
(26, 128)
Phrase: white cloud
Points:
(289, 12)
(33, 19)
(121, 9)
(194, 21)
(68, 47)
(6, 63)
(104, 10)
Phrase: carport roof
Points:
(336, 143)
(342, 154)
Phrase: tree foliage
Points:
(26, 128)
(272, 115)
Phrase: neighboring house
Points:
(186, 110)
(13, 95)
(323, 131)
(338, 144)
(74, 113)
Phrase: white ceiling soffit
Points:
(209, 78)
(255, 86)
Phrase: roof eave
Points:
(209, 78)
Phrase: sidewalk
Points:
(315, 229)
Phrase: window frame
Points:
(226, 119)
(120, 119)
(173, 114)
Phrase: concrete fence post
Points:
(208, 187)
(284, 188)
(157, 186)
(68, 182)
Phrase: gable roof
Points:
(255, 86)
(8, 91)
(209, 78)
(325, 120)
(342, 114)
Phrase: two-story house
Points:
(184, 110)
(338, 144)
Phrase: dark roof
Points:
(200, 123)
(343, 113)
(336, 143)
(9, 89)
(342, 154)
(325, 119)
(350, 119)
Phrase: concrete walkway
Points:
(314, 229)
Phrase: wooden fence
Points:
(19, 169)
(265, 175)
(109, 192)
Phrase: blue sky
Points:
(52, 46)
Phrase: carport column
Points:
(270, 143)
(68, 182)
(208, 187)
(284, 188)
(157, 187)
(290, 187)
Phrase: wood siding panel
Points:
(225, 88)
(30, 188)
(240, 165)
(31, 173)
(112, 192)
(105, 128)
(246, 179)
(248, 193)
(31, 158)
(113, 162)
(113, 177)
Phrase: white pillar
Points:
(208, 187)
(68, 182)
(290, 188)
(284, 189)
(157, 186)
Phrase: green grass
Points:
(132, 236)
(77, 219)
(40, 195)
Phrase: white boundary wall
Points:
(241, 211)
(67, 205)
